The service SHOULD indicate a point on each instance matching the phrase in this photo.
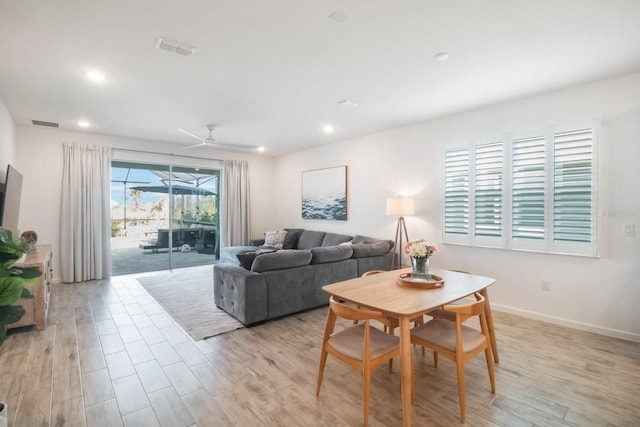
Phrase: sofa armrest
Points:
(241, 293)
(256, 242)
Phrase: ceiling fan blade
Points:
(209, 141)
(236, 146)
(191, 135)
(202, 144)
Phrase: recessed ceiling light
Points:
(328, 128)
(95, 76)
(441, 56)
(261, 149)
(83, 123)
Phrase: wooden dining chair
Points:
(458, 342)
(362, 347)
(440, 313)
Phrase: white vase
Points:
(4, 415)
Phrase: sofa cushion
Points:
(327, 254)
(291, 239)
(333, 239)
(364, 239)
(310, 239)
(281, 260)
(274, 239)
(361, 250)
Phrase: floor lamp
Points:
(399, 206)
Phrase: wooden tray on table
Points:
(407, 279)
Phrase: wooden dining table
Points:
(381, 292)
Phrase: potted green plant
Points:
(199, 244)
(13, 279)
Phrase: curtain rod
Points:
(165, 154)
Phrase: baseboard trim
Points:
(616, 333)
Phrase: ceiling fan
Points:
(209, 141)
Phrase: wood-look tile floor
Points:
(111, 357)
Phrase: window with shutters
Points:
(488, 205)
(531, 191)
(456, 199)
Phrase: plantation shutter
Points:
(488, 190)
(572, 180)
(528, 185)
(533, 190)
(456, 192)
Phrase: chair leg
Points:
(461, 387)
(435, 359)
(366, 385)
(391, 332)
(323, 362)
(489, 356)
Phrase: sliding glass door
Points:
(162, 217)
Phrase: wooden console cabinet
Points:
(36, 309)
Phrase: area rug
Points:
(187, 295)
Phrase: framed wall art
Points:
(324, 194)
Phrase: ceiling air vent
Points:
(43, 123)
(175, 47)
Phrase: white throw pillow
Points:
(274, 239)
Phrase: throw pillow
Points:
(274, 239)
(246, 259)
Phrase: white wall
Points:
(7, 139)
(594, 294)
(39, 157)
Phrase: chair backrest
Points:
(471, 309)
(370, 272)
(352, 313)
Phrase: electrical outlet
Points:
(629, 230)
(546, 285)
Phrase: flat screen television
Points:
(11, 194)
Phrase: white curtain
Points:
(85, 226)
(235, 228)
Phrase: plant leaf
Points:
(10, 290)
(26, 294)
(26, 273)
(10, 314)
(11, 248)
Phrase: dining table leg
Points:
(492, 331)
(407, 369)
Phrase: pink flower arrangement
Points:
(420, 249)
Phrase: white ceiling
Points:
(271, 72)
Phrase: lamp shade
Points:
(400, 206)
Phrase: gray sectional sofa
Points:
(273, 283)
